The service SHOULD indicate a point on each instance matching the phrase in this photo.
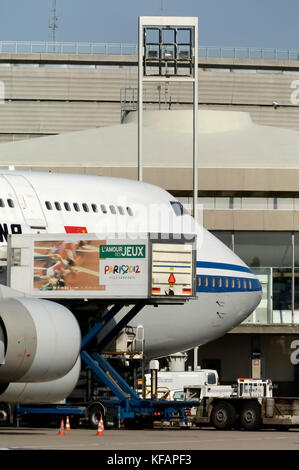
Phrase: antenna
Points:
(53, 20)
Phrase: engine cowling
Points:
(41, 340)
(43, 392)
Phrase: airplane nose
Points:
(251, 298)
(259, 292)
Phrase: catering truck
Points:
(128, 271)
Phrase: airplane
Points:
(47, 366)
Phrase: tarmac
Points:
(82, 439)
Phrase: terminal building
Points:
(76, 111)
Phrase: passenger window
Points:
(244, 284)
(85, 207)
(76, 206)
(226, 283)
(219, 282)
(48, 205)
(112, 209)
(250, 284)
(57, 205)
(2, 203)
(103, 208)
(233, 283)
(213, 282)
(239, 284)
(206, 282)
(94, 207)
(10, 203)
(121, 210)
(129, 211)
(67, 206)
(198, 280)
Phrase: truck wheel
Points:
(223, 415)
(251, 416)
(95, 413)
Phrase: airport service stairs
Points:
(103, 371)
(130, 405)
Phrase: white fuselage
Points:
(227, 291)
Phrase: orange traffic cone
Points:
(100, 428)
(61, 430)
(67, 424)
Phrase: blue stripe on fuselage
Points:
(222, 283)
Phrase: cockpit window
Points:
(178, 208)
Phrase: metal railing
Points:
(45, 47)
(248, 53)
(35, 47)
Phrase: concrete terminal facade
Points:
(52, 93)
(248, 175)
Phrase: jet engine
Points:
(39, 339)
(43, 392)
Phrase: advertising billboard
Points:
(89, 265)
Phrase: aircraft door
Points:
(28, 202)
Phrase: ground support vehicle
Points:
(171, 384)
(250, 406)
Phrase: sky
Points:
(252, 23)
